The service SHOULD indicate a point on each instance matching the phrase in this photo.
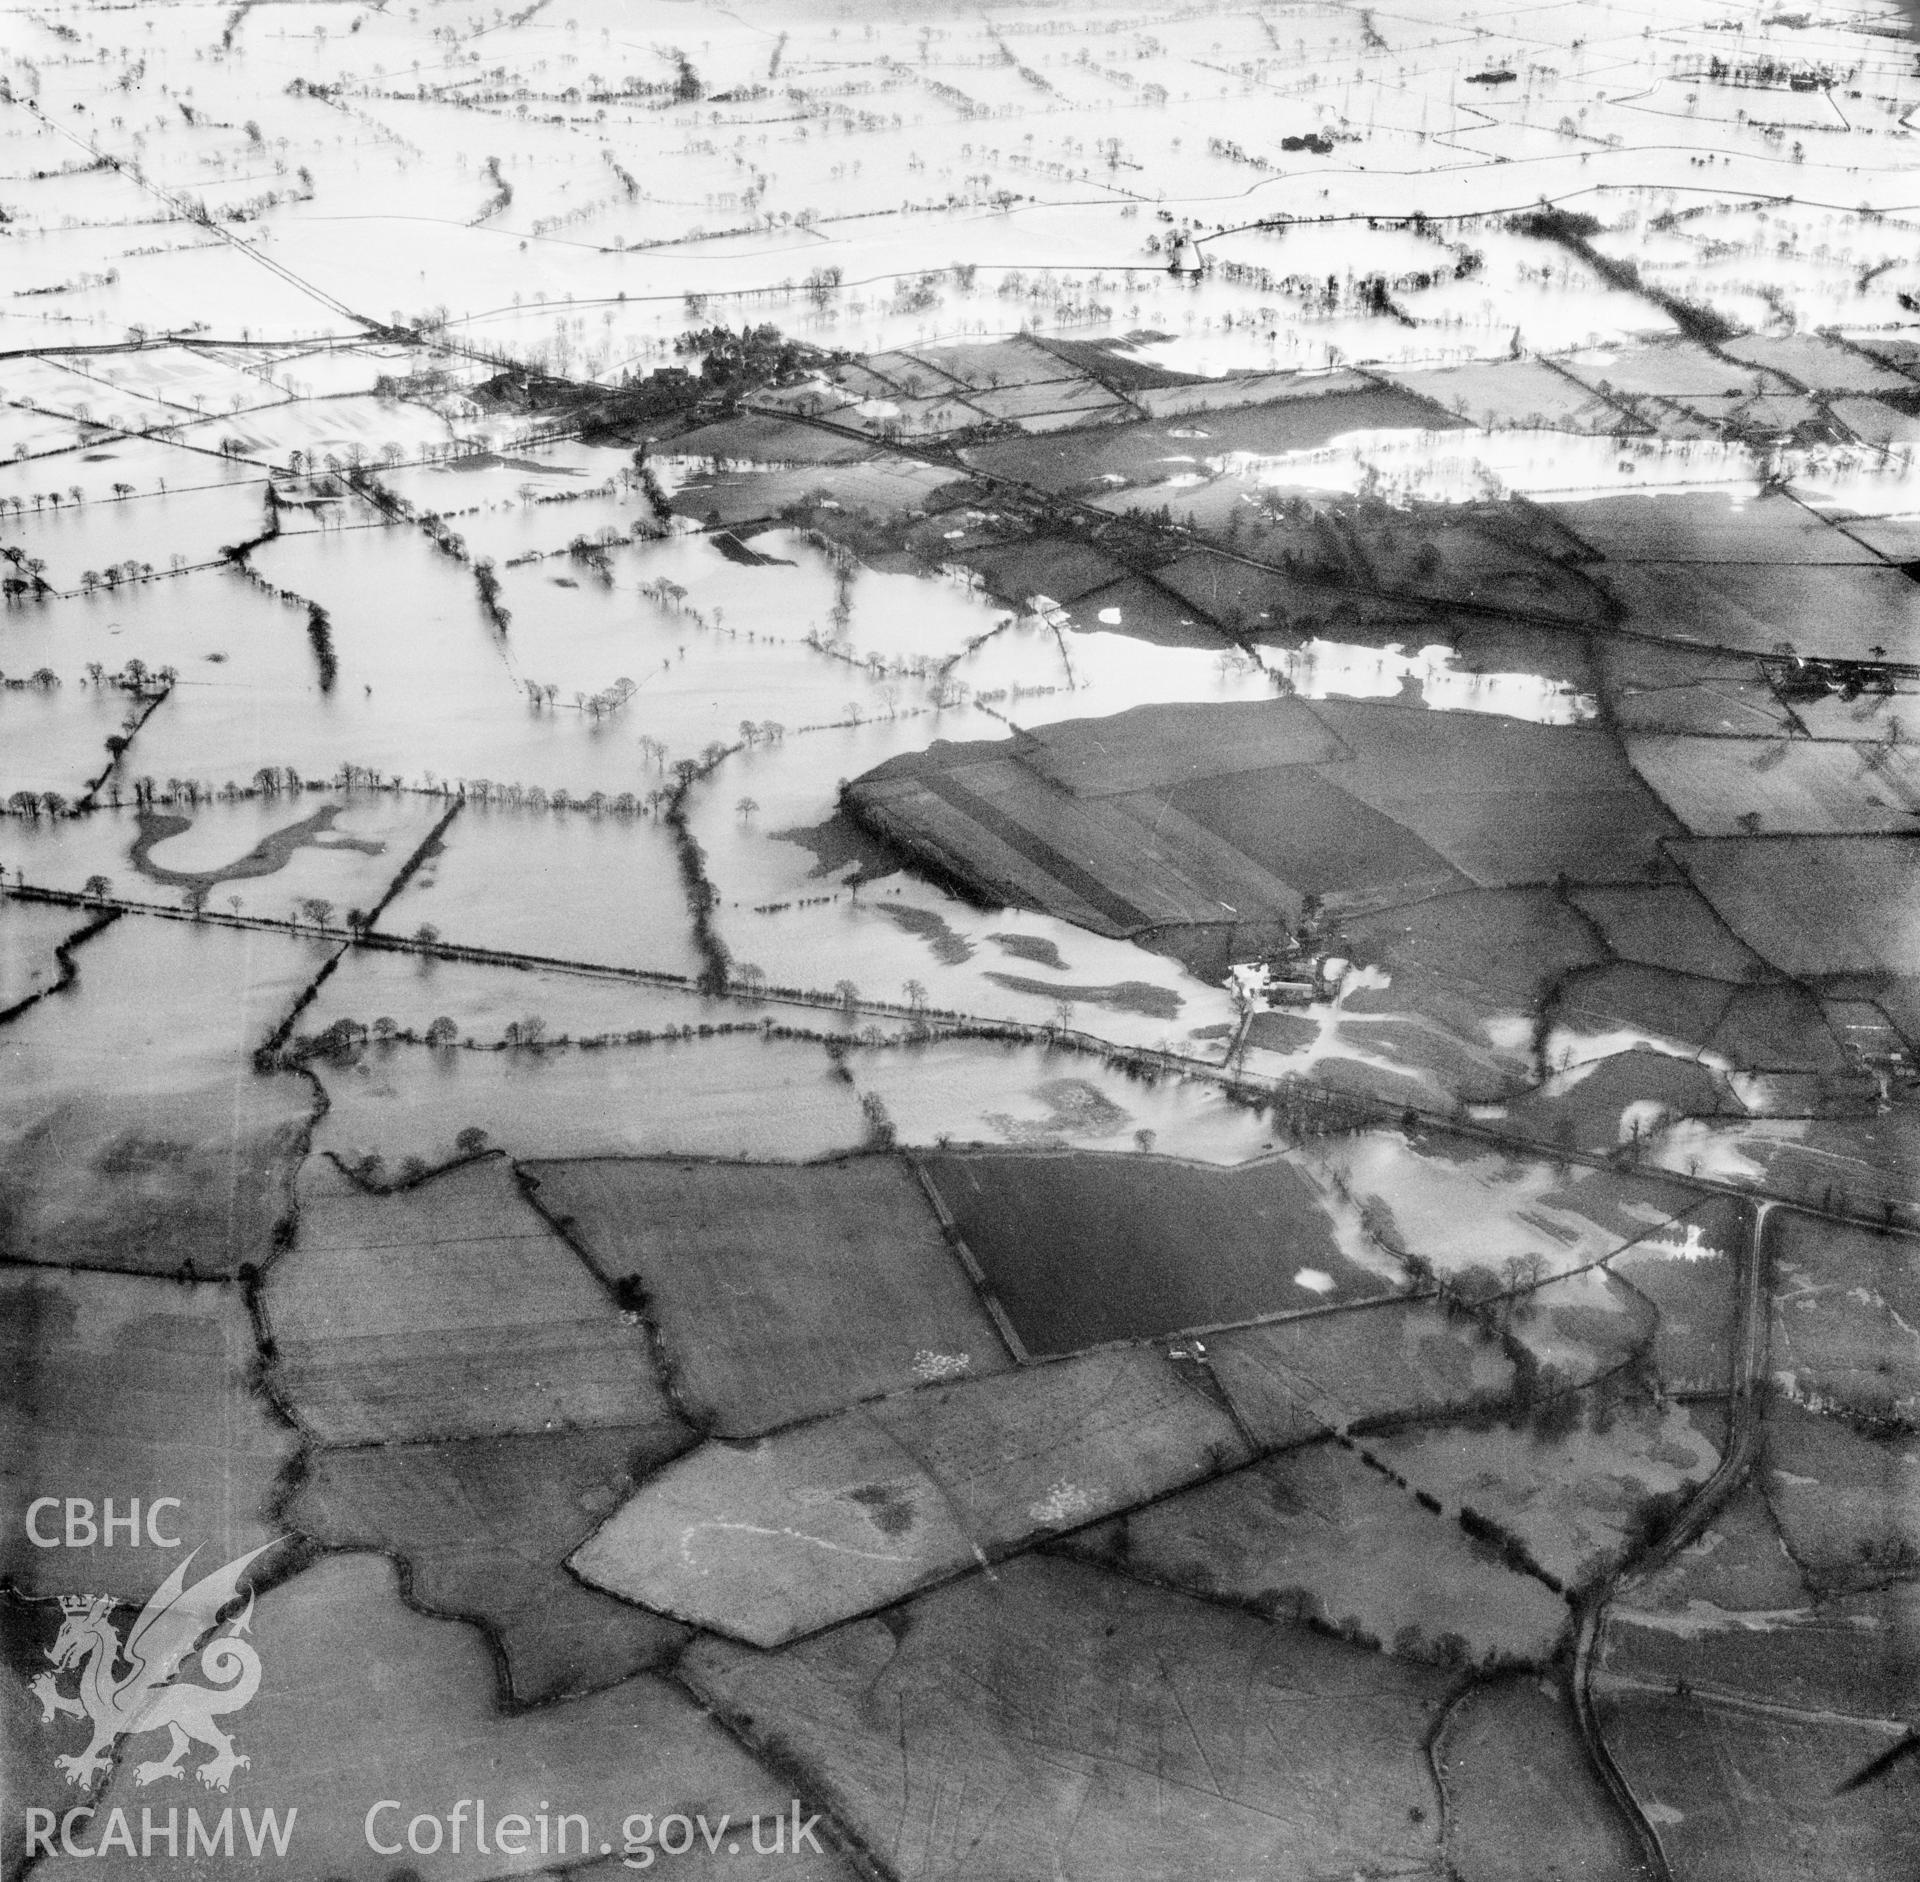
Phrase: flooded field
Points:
(990, 933)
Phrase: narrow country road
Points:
(1747, 1369)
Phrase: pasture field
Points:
(1479, 1217)
(1468, 960)
(1813, 905)
(1527, 393)
(1145, 611)
(1658, 686)
(30, 933)
(1291, 1381)
(134, 1132)
(485, 1001)
(1052, 1447)
(1715, 528)
(1157, 748)
(1837, 612)
(1625, 1094)
(118, 1382)
(1671, 926)
(1845, 1305)
(778, 1291)
(484, 1527)
(1141, 453)
(1523, 1804)
(1840, 1656)
(1683, 1756)
(1416, 803)
(736, 1096)
(1576, 1501)
(1819, 363)
(1080, 1250)
(1507, 803)
(1317, 1536)
(404, 1706)
(1680, 1012)
(1058, 568)
(1581, 1327)
(1798, 787)
(1227, 1722)
(655, 674)
(1843, 1499)
(1778, 1028)
(1672, 369)
(1738, 1564)
(447, 1310)
(1302, 828)
(1691, 1285)
(772, 1540)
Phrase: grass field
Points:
(1467, 1212)
(133, 1132)
(1056, 567)
(1526, 392)
(1144, 453)
(1576, 1499)
(773, 1540)
(721, 1097)
(1691, 1285)
(1739, 1563)
(1156, 748)
(1293, 1380)
(484, 1528)
(127, 1387)
(1628, 1090)
(1523, 1803)
(1302, 828)
(1057, 1720)
(364, 1699)
(1359, 804)
(1505, 802)
(1582, 1326)
(1783, 787)
(1051, 1447)
(769, 1541)
(1814, 905)
(1318, 1536)
(1844, 1501)
(1671, 926)
(1846, 1656)
(1707, 527)
(449, 1310)
(1623, 1002)
(1477, 967)
(1081, 1249)
(29, 933)
(1736, 1794)
(1830, 612)
(779, 1291)
(1846, 1303)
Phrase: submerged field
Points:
(995, 929)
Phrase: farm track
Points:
(1746, 1378)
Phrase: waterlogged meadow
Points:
(1048, 777)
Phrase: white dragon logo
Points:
(142, 1699)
